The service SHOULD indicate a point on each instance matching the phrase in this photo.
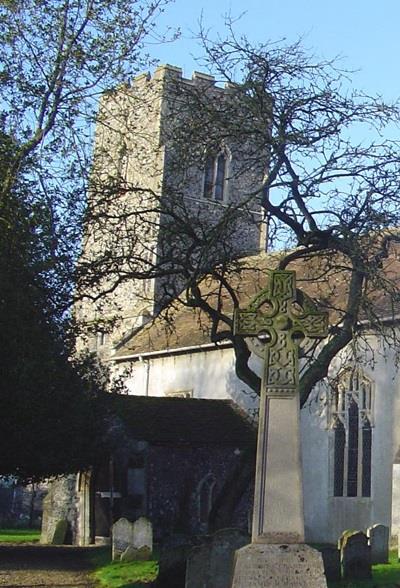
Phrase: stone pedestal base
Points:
(261, 565)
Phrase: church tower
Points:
(172, 192)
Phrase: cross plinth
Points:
(278, 319)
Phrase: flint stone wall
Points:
(60, 504)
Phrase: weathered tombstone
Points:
(356, 556)
(143, 535)
(331, 560)
(135, 540)
(378, 536)
(210, 564)
(122, 537)
(279, 317)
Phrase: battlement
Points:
(171, 72)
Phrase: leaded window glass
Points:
(351, 418)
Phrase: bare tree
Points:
(330, 200)
(57, 58)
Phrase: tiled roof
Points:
(326, 281)
(184, 421)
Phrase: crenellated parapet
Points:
(158, 148)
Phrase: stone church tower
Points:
(168, 199)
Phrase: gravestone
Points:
(122, 537)
(378, 536)
(356, 556)
(132, 540)
(277, 320)
(143, 537)
(210, 565)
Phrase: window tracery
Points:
(351, 423)
(205, 492)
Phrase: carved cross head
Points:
(279, 317)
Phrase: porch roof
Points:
(184, 421)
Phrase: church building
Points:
(350, 434)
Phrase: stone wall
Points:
(148, 170)
(60, 504)
(175, 476)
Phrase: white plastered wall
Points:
(207, 374)
(326, 516)
(211, 374)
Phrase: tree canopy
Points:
(56, 58)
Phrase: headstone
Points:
(60, 533)
(122, 537)
(143, 534)
(356, 557)
(378, 536)
(210, 565)
(277, 319)
(331, 561)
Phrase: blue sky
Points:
(365, 33)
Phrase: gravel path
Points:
(29, 566)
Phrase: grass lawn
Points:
(19, 535)
(122, 575)
(383, 576)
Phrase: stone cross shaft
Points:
(278, 318)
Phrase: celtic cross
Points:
(280, 317)
(277, 319)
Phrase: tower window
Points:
(215, 176)
(351, 418)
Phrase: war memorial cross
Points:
(276, 321)
(279, 317)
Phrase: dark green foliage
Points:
(55, 60)
(50, 415)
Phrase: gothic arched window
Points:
(215, 176)
(351, 418)
(205, 498)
